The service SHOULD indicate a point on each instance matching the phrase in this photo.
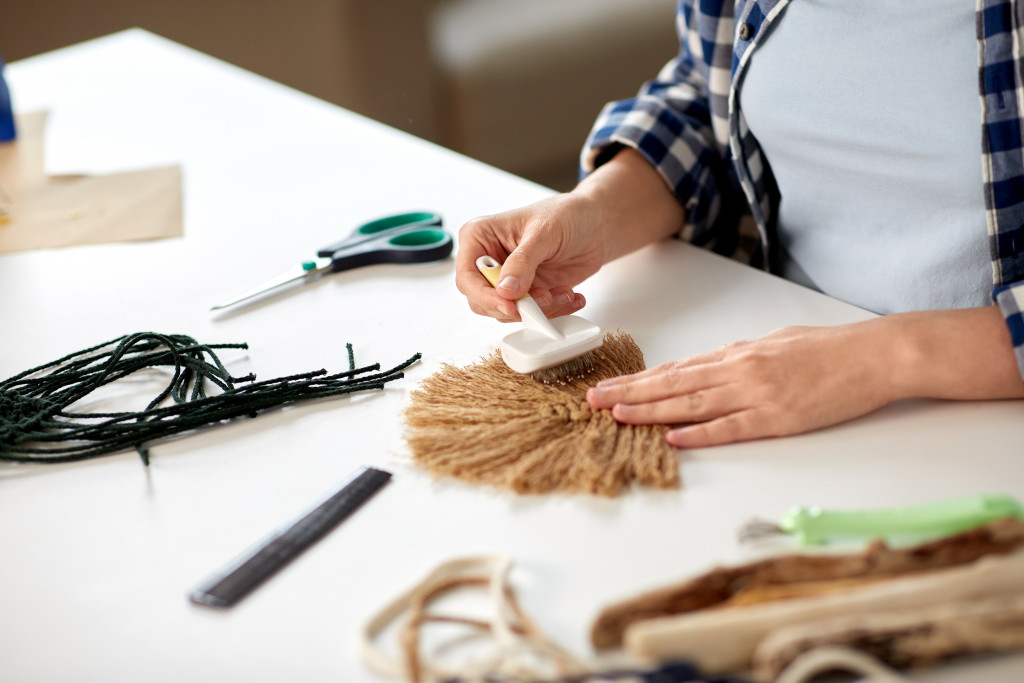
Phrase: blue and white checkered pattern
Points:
(688, 123)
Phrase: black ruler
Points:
(252, 568)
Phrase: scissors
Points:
(415, 237)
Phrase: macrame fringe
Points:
(36, 425)
(486, 424)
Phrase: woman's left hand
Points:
(793, 380)
(802, 378)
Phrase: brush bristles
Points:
(563, 373)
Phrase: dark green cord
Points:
(37, 427)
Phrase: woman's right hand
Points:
(549, 247)
(545, 249)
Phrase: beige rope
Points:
(518, 648)
(825, 659)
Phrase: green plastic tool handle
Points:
(813, 525)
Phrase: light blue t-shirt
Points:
(873, 132)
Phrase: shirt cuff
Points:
(1010, 299)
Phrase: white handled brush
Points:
(552, 351)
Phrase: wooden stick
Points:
(904, 639)
(724, 640)
(795, 575)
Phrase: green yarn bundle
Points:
(37, 425)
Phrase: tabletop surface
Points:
(98, 557)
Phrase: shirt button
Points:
(746, 30)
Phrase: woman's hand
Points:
(546, 248)
(549, 247)
(803, 378)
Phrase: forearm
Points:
(798, 379)
(634, 205)
(962, 354)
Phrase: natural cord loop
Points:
(519, 650)
(36, 425)
(501, 645)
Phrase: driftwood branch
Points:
(905, 638)
(792, 576)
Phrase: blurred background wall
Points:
(514, 83)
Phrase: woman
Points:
(849, 133)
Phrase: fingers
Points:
(558, 301)
(482, 237)
(667, 381)
(679, 365)
(787, 382)
(708, 396)
(478, 238)
(695, 406)
(485, 300)
(545, 249)
(710, 416)
(670, 396)
(519, 269)
(520, 249)
(506, 310)
(734, 427)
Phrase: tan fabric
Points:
(62, 211)
(486, 424)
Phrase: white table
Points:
(97, 557)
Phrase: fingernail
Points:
(563, 299)
(505, 309)
(542, 300)
(509, 283)
(677, 437)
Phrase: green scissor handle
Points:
(813, 525)
(388, 225)
(418, 218)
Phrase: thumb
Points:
(517, 273)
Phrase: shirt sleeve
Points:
(1010, 299)
(669, 123)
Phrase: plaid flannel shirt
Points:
(688, 123)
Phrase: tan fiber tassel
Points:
(486, 424)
